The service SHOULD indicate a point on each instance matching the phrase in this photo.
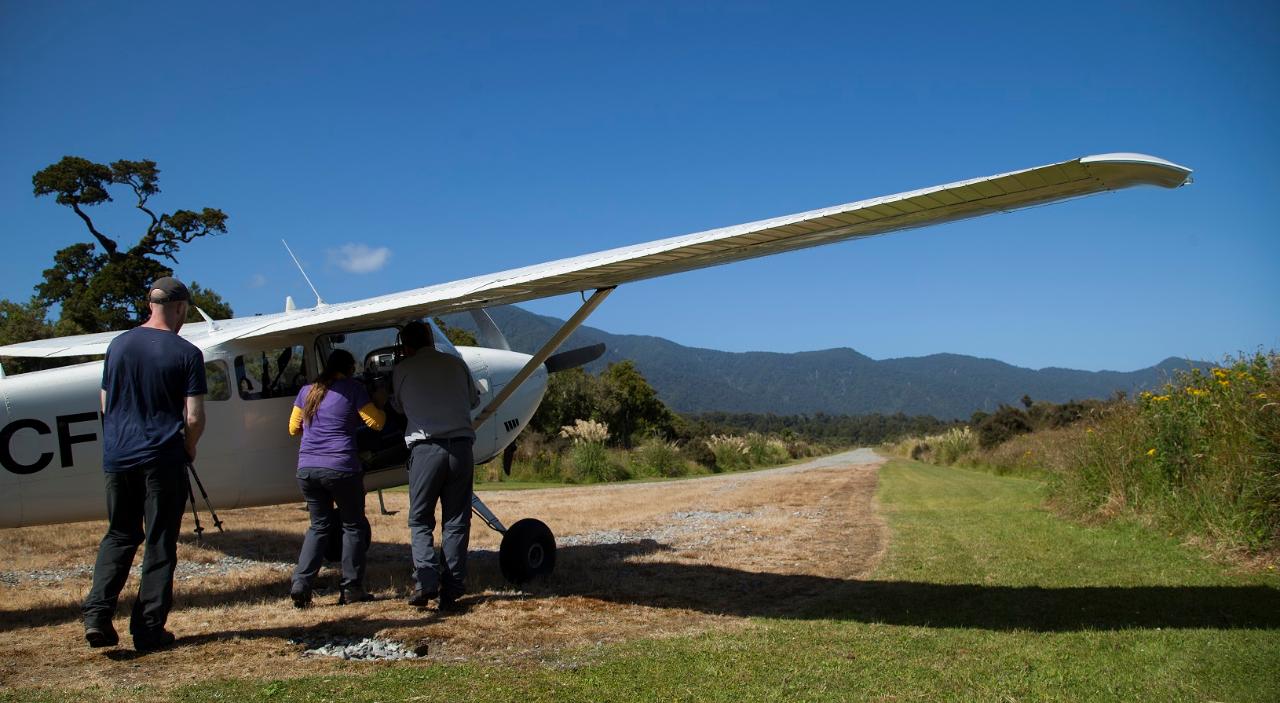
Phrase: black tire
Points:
(528, 551)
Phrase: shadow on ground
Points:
(620, 573)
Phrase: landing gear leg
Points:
(382, 506)
(528, 547)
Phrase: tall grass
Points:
(946, 448)
(763, 450)
(731, 452)
(656, 457)
(1202, 456)
(578, 453)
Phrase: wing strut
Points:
(539, 357)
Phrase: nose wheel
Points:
(528, 548)
(528, 551)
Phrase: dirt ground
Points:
(634, 560)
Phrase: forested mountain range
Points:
(832, 381)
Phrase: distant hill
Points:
(833, 381)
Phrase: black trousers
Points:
(143, 505)
(323, 489)
(440, 470)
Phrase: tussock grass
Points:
(1200, 459)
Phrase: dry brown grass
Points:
(1051, 450)
(636, 560)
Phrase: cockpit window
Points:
(377, 350)
(442, 342)
(271, 373)
(374, 350)
(217, 380)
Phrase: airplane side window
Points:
(271, 373)
(219, 383)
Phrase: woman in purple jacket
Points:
(328, 413)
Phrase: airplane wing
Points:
(918, 208)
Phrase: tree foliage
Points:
(1002, 425)
(619, 397)
(458, 336)
(99, 286)
(209, 301)
(839, 430)
(23, 322)
(631, 407)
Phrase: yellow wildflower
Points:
(1088, 430)
(1224, 384)
(1219, 373)
(1161, 398)
(1197, 392)
(1261, 396)
(1151, 451)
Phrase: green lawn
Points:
(984, 595)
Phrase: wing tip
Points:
(1124, 169)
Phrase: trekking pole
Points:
(195, 514)
(212, 513)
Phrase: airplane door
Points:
(220, 456)
(267, 382)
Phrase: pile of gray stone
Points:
(357, 648)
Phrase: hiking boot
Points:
(301, 596)
(420, 598)
(101, 635)
(153, 641)
(451, 604)
(354, 594)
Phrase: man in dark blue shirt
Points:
(153, 388)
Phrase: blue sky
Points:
(466, 140)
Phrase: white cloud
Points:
(358, 258)
(257, 280)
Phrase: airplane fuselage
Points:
(51, 435)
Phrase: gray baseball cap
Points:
(171, 290)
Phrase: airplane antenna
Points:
(212, 325)
(319, 300)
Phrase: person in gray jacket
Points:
(436, 393)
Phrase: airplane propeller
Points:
(574, 358)
(488, 334)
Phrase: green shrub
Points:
(656, 457)
(1201, 457)
(591, 462)
(953, 444)
(765, 451)
(1001, 426)
(731, 452)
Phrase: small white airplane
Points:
(49, 437)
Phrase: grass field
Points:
(983, 595)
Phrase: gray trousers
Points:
(440, 470)
(323, 489)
